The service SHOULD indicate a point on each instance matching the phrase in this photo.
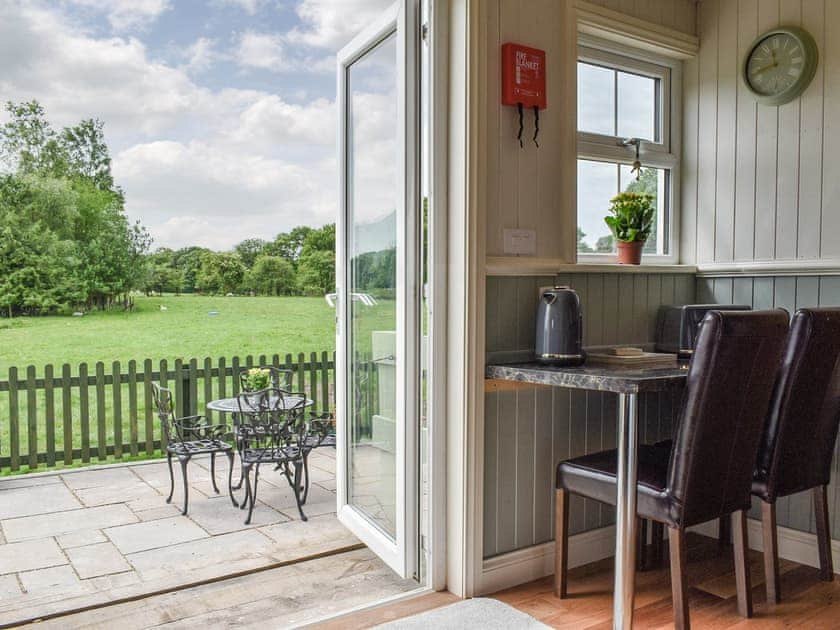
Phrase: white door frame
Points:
(399, 553)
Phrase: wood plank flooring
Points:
(806, 601)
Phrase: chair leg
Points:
(171, 478)
(230, 478)
(658, 534)
(641, 544)
(823, 536)
(246, 479)
(184, 461)
(213, 471)
(561, 542)
(724, 531)
(253, 492)
(305, 488)
(296, 489)
(679, 587)
(742, 567)
(771, 552)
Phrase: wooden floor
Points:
(807, 602)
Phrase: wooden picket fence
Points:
(65, 417)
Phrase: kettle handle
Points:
(549, 298)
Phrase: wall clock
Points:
(780, 64)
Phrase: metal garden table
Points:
(628, 383)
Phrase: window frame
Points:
(664, 154)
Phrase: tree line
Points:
(299, 262)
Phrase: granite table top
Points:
(602, 378)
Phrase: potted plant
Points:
(631, 221)
(257, 379)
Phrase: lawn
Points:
(169, 327)
(185, 329)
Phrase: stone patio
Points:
(92, 536)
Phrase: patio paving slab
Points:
(28, 481)
(135, 490)
(80, 539)
(111, 476)
(164, 511)
(97, 560)
(154, 534)
(28, 501)
(29, 555)
(9, 586)
(44, 525)
(300, 538)
(205, 558)
(219, 516)
(53, 581)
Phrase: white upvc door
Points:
(378, 286)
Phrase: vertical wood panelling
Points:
(676, 14)
(529, 430)
(758, 182)
(830, 225)
(727, 83)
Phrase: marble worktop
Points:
(603, 378)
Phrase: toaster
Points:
(676, 326)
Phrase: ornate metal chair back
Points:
(165, 407)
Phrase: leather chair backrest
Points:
(797, 445)
(728, 387)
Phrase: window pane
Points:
(652, 181)
(597, 184)
(596, 99)
(637, 107)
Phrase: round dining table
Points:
(231, 405)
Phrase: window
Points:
(623, 98)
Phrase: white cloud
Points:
(330, 24)
(260, 50)
(201, 55)
(251, 7)
(126, 14)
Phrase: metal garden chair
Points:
(189, 436)
(273, 430)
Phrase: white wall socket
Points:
(520, 242)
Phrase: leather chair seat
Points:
(594, 476)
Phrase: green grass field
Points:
(185, 330)
(244, 325)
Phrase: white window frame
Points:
(664, 154)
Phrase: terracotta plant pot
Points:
(630, 253)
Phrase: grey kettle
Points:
(560, 328)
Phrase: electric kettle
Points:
(560, 328)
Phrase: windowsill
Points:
(532, 266)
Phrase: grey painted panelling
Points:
(789, 292)
(529, 430)
(759, 182)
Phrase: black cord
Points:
(536, 125)
(521, 125)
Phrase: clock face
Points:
(780, 65)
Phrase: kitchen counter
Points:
(602, 378)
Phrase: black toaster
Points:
(676, 326)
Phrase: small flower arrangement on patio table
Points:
(257, 379)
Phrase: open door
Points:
(378, 288)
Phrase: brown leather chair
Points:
(708, 473)
(797, 446)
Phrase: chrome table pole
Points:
(625, 512)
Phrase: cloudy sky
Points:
(220, 114)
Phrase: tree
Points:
(605, 244)
(316, 272)
(28, 143)
(220, 272)
(289, 245)
(582, 245)
(249, 250)
(87, 153)
(271, 275)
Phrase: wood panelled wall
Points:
(680, 15)
(529, 429)
(530, 187)
(759, 182)
(788, 292)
